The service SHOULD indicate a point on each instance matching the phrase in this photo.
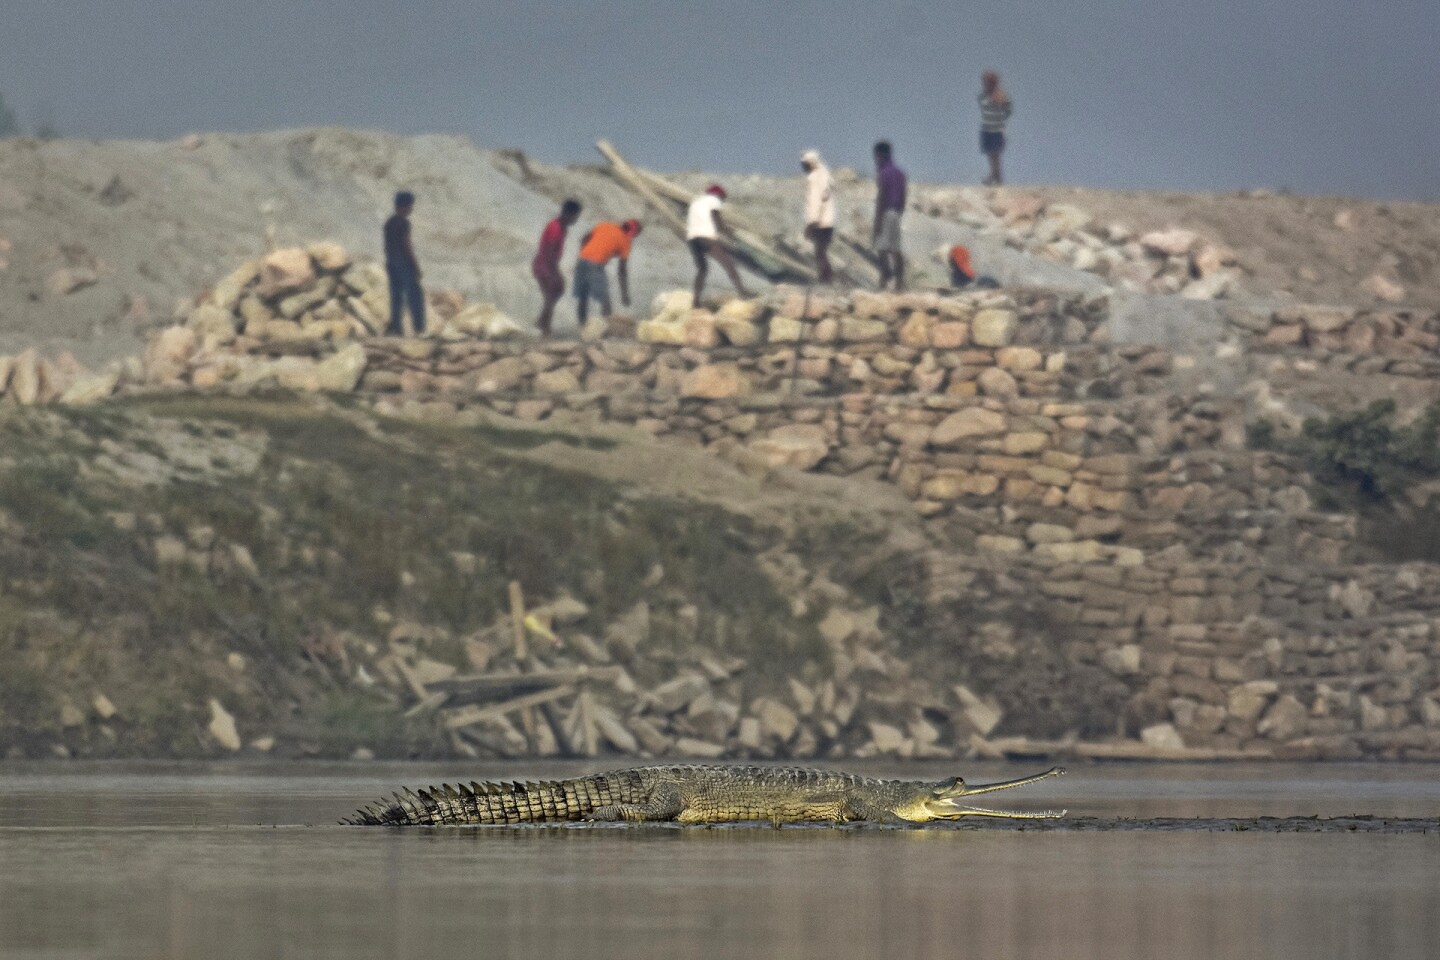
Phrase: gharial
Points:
(697, 794)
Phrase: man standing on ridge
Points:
(703, 227)
(601, 245)
(889, 207)
(546, 265)
(819, 211)
(403, 269)
(995, 108)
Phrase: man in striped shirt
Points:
(995, 109)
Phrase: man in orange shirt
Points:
(601, 245)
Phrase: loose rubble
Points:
(1173, 261)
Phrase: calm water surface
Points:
(193, 860)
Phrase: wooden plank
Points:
(517, 620)
(750, 246)
(469, 716)
(493, 685)
(634, 181)
(589, 736)
(430, 704)
(868, 261)
(747, 232)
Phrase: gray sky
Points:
(1317, 96)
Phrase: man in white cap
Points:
(819, 211)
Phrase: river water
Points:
(220, 861)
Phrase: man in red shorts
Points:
(546, 265)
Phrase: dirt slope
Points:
(99, 240)
(1319, 249)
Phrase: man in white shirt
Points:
(702, 232)
(819, 211)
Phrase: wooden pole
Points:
(748, 233)
(517, 621)
(472, 715)
(783, 251)
(635, 182)
(779, 266)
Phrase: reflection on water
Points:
(184, 861)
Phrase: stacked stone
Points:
(293, 318)
(1163, 261)
(617, 696)
(1396, 342)
(1310, 664)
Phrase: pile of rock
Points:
(1163, 261)
(558, 689)
(271, 316)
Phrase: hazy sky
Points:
(1319, 96)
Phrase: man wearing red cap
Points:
(601, 245)
(702, 232)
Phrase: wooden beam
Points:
(469, 716)
(634, 181)
(501, 684)
(747, 232)
(857, 247)
(762, 257)
(517, 621)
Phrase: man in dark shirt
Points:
(403, 269)
(889, 207)
(546, 265)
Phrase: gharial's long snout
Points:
(947, 805)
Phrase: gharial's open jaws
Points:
(951, 807)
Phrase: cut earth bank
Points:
(839, 526)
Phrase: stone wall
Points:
(1396, 342)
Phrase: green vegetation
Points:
(1362, 454)
(347, 524)
(1363, 461)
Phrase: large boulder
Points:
(329, 256)
(480, 320)
(1170, 243)
(798, 445)
(227, 292)
(27, 378)
(212, 323)
(715, 381)
(671, 305)
(285, 271)
(736, 322)
(92, 388)
(993, 328)
(970, 422)
(341, 371)
(1382, 287)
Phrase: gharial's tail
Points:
(480, 803)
